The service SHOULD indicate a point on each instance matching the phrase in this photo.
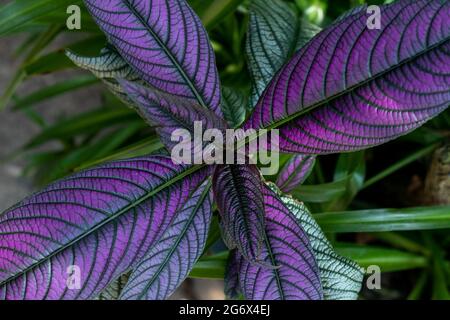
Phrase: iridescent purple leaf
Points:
(341, 278)
(169, 113)
(72, 239)
(295, 172)
(238, 194)
(353, 87)
(166, 45)
(168, 263)
(296, 276)
(275, 32)
(232, 286)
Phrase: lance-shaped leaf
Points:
(353, 87)
(233, 106)
(286, 246)
(165, 44)
(341, 278)
(295, 172)
(72, 239)
(238, 194)
(232, 286)
(275, 33)
(169, 113)
(167, 264)
(108, 67)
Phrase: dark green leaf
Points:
(377, 220)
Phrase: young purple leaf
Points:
(286, 246)
(169, 113)
(168, 263)
(166, 45)
(108, 67)
(232, 286)
(353, 87)
(72, 239)
(238, 194)
(295, 172)
(275, 32)
(341, 278)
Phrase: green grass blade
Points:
(400, 164)
(55, 90)
(15, 14)
(143, 147)
(380, 220)
(320, 193)
(84, 124)
(75, 157)
(212, 267)
(389, 260)
(420, 285)
(212, 12)
(43, 39)
(441, 284)
(400, 241)
(57, 60)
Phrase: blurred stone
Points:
(437, 185)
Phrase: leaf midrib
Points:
(237, 180)
(168, 53)
(103, 223)
(293, 116)
(178, 240)
(275, 271)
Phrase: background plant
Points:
(336, 184)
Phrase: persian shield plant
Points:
(344, 88)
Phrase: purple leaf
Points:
(169, 113)
(287, 247)
(341, 278)
(232, 286)
(238, 194)
(295, 172)
(352, 87)
(166, 45)
(97, 224)
(168, 263)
